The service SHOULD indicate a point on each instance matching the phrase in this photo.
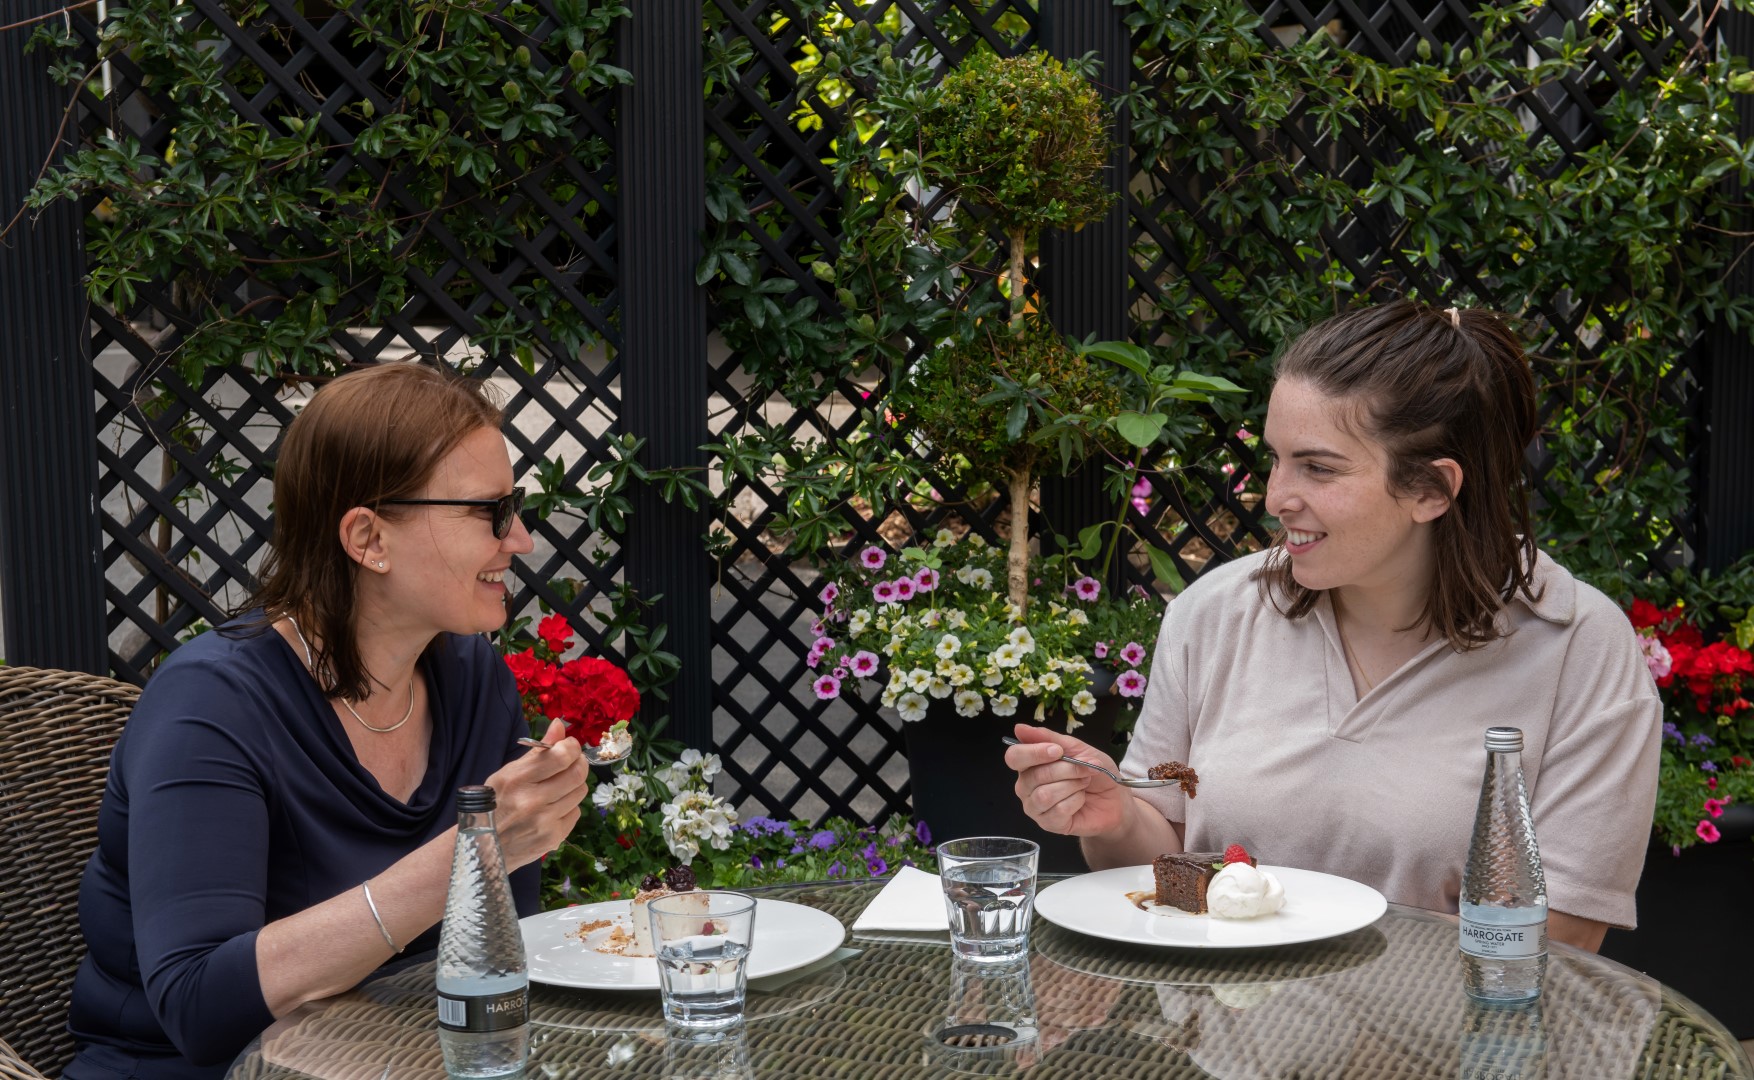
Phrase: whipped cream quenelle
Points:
(1240, 891)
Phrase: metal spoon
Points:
(1121, 780)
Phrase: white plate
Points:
(787, 936)
(1317, 906)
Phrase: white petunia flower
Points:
(980, 578)
(944, 667)
(1083, 703)
(960, 675)
(958, 620)
(893, 646)
(887, 699)
(944, 538)
(969, 703)
(860, 619)
(939, 689)
(918, 679)
(1029, 686)
(1049, 681)
(1007, 655)
(993, 677)
(976, 540)
(912, 707)
(1022, 638)
(1004, 705)
(947, 646)
(931, 619)
(1077, 618)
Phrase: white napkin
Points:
(913, 900)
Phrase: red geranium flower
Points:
(1644, 613)
(555, 632)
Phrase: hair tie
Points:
(1455, 316)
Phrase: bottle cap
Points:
(478, 798)
(1504, 740)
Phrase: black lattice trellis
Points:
(185, 468)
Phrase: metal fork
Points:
(1121, 780)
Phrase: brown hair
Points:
(364, 438)
(1429, 384)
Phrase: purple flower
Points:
(823, 840)
(922, 834)
(1130, 684)
(829, 594)
(1133, 653)
(1087, 588)
(1708, 766)
(755, 861)
(797, 849)
(877, 866)
(894, 841)
(926, 580)
(1673, 732)
(780, 863)
(835, 869)
(1101, 650)
(765, 826)
(883, 592)
(1702, 740)
(864, 663)
(873, 558)
(827, 688)
(904, 588)
(870, 851)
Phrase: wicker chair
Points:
(56, 732)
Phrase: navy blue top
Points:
(235, 799)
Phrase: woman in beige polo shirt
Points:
(1333, 692)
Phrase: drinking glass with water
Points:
(989, 894)
(702, 940)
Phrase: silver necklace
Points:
(345, 704)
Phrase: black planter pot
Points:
(1692, 910)
(961, 786)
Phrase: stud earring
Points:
(380, 564)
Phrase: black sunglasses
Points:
(506, 508)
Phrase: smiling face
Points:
(446, 569)
(1329, 489)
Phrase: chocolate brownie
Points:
(1182, 878)
(1175, 770)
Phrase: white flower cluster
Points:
(691, 770)
(626, 791)
(696, 817)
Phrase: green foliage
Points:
(278, 231)
(1023, 136)
(1614, 255)
(1003, 402)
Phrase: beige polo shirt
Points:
(1382, 790)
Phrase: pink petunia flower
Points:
(1130, 684)
(1707, 832)
(864, 663)
(1087, 588)
(926, 580)
(1715, 807)
(873, 558)
(827, 687)
(1133, 653)
(904, 588)
(1142, 495)
(1101, 650)
(840, 672)
(883, 592)
(830, 593)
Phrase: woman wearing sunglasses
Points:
(280, 811)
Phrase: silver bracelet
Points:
(365, 887)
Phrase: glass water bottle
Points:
(483, 985)
(1504, 895)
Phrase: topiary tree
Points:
(1026, 139)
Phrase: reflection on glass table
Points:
(1384, 1001)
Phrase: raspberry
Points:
(1235, 853)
